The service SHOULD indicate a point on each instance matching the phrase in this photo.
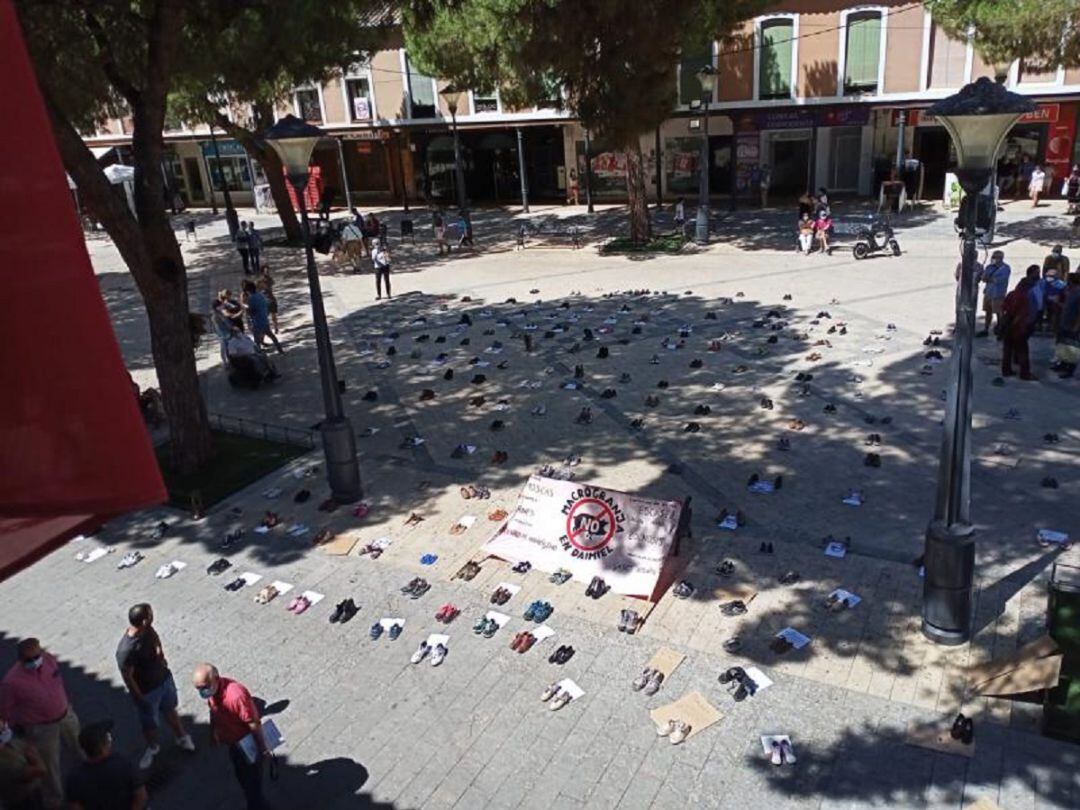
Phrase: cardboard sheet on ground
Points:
(341, 545)
(983, 804)
(666, 660)
(936, 737)
(591, 531)
(1034, 666)
(692, 708)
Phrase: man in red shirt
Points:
(33, 698)
(234, 717)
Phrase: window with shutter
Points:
(421, 93)
(863, 55)
(774, 59)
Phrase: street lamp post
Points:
(294, 140)
(707, 77)
(453, 99)
(977, 118)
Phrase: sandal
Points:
(266, 595)
(497, 515)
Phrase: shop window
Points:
(485, 103)
(358, 91)
(693, 59)
(308, 105)
(862, 55)
(230, 171)
(775, 58)
(421, 94)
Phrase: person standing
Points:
(1035, 185)
(106, 780)
(1016, 320)
(266, 287)
(1056, 260)
(33, 698)
(234, 717)
(995, 279)
(765, 180)
(146, 674)
(466, 231)
(1067, 343)
(438, 222)
(680, 212)
(574, 192)
(255, 248)
(243, 245)
(380, 257)
(258, 308)
(21, 772)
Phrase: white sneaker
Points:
(148, 756)
(421, 651)
(186, 742)
(439, 655)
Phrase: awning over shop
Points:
(73, 448)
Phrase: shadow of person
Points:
(270, 709)
(329, 785)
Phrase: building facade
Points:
(822, 92)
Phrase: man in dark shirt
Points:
(105, 781)
(146, 673)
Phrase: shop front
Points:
(1045, 137)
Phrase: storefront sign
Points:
(1044, 114)
(785, 119)
(366, 135)
(855, 115)
(591, 531)
(224, 148)
(911, 118)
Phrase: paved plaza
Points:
(365, 728)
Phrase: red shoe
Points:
(526, 642)
(516, 643)
(443, 611)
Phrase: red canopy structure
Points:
(73, 447)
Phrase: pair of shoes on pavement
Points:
(501, 596)
(438, 653)
(683, 590)
(394, 632)
(597, 588)
(628, 621)
(447, 613)
(344, 611)
(558, 696)
(416, 588)
(561, 655)
(523, 642)
(675, 730)
(538, 611)
(486, 627)
(648, 681)
(739, 684)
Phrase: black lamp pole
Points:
(701, 232)
(294, 140)
(453, 97)
(977, 118)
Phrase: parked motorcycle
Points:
(876, 237)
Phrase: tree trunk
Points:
(149, 248)
(637, 198)
(271, 164)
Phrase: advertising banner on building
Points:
(591, 531)
(1060, 137)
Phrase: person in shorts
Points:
(995, 279)
(146, 674)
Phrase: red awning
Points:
(73, 447)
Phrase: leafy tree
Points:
(252, 62)
(1044, 33)
(97, 57)
(615, 60)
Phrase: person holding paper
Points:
(233, 720)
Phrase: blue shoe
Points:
(376, 630)
(545, 610)
(530, 612)
(395, 631)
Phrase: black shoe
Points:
(370, 396)
(958, 726)
(449, 375)
(579, 372)
(339, 611)
(302, 496)
(696, 363)
(602, 353)
(608, 393)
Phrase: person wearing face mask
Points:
(146, 673)
(106, 780)
(21, 772)
(33, 698)
(233, 717)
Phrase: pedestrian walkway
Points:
(359, 719)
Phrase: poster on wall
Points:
(747, 157)
(608, 170)
(591, 531)
(361, 109)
